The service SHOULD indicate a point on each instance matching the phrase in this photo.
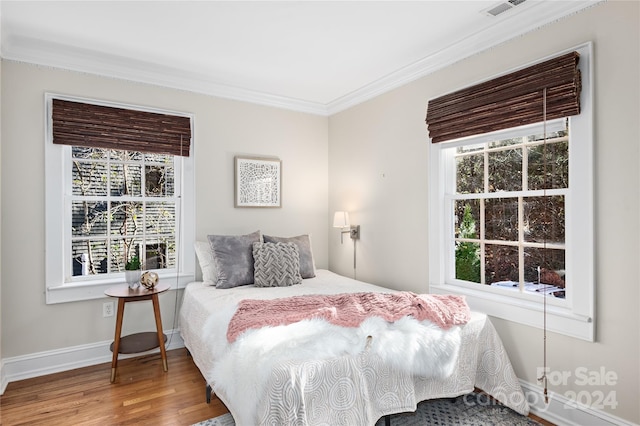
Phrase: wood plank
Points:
(142, 394)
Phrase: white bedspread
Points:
(294, 375)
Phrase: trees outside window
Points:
(123, 206)
(509, 209)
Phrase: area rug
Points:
(467, 410)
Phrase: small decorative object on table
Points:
(149, 280)
(132, 272)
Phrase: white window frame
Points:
(60, 286)
(573, 316)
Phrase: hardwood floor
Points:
(142, 395)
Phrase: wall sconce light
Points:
(341, 220)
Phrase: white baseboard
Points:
(49, 362)
(564, 412)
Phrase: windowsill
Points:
(560, 319)
(89, 290)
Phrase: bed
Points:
(315, 373)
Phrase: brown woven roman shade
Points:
(512, 100)
(97, 126)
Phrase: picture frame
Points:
(258, 182)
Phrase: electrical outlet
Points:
(107, 309)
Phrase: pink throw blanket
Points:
(349, 310)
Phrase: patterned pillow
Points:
(307, 265)
(232, 255)
(276, 264)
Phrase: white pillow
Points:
(207, 264)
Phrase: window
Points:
(511, 220)
(123, 207)
(509, 212)
(106, 207)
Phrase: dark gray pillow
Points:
(233, 257)
(307, 265)
(276, 264)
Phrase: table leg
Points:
(156, 312)
(116, 339)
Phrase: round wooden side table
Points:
(138, 342)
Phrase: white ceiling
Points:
(313, 56)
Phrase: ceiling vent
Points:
(503, 7)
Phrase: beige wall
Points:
(223, 128)
(370, 160)
(377, 171)
(1, 363)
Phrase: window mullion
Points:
(109, 201)
(521, 243)
(143, 196)
(525, 164)
(482, 217)
(525, 188)
(482, 242)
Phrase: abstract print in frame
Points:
(258, 182)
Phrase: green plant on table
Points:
(133, 264)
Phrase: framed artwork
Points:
(258, 182)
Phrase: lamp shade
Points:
(341, 220)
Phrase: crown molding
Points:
(539, 14)
(55, 55)
(530, 16)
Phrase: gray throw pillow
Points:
(233, 258)
(307, 265)
(276, 264)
